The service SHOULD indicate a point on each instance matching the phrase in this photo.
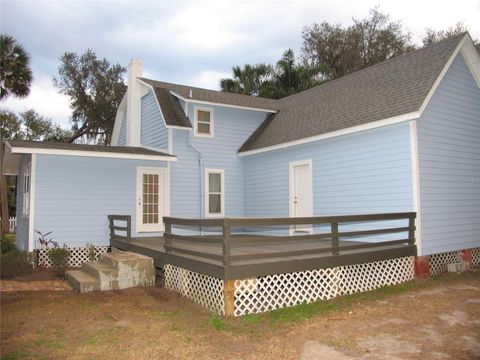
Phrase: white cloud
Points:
(209, 79)
(45, 100)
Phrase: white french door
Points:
(151, 195)
(301, 195)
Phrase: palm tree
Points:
(15, 72)
(247, 80)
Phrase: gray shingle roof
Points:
(395, 87)
(82, 147)
(161, 88)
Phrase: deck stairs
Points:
(113, 271)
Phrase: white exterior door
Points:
(301, 198)
(151, 198)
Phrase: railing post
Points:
(129, 229)
(166, 234)
(335, 241)
(112, 233)
(411, 229)
(227, 250)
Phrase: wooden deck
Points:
(239, 256)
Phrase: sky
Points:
(190, 42)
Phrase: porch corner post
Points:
(227, 250)
(229, 297)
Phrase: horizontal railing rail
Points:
(228, 240)
(126, 229)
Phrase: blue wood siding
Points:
(153, 131)
(122, 139)
(449, 159)
(74, 195)
(23, 220)
(367, 172)
(195, 154)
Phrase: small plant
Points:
(59, 258)
(14, 263)
(43, 242)
(91, 252)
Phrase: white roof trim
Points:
(442, 74)
(192, 100)
(350, 130)
(160, 109)
(117, 126)
(472, 59)
(98, 154)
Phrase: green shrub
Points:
(8, 243)
(59, 258)
(15, 262)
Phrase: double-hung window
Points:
(214, 192)
(203, 122)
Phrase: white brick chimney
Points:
(135, 70)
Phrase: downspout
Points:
(200, 169)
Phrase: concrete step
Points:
(123, 257)
(81, 281)
(104, 273)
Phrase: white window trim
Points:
(291, 209)
(207, 192)
(195, 121)
(140, 227)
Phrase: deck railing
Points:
(125, 230)
(187, 245)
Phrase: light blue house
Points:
(400, 136)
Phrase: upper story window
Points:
(26, 189)
(203, 122)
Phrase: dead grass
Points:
(153, 323)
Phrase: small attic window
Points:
(203, 122)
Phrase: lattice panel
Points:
(78, 255)
(369, 276)
(439, 262)
(203, 289)
(476, 257)
(272, 292)
(277, 291)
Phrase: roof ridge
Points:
(395, 58)
(205, 89)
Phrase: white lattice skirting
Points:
(439, 262)
(203, 289)
(78, 255)
(266, 293)
(476, 257)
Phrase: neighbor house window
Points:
(215, 192)
(204, 122)
(26, 189)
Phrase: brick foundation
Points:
(422, 266)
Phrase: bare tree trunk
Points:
(3, 193)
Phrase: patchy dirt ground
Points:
(435, 319)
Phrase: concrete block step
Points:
(124, 257)
(81, 281)
(98, 269)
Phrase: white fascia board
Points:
(442, 74)
(150, 87)
(472, 58)
(351, 130)
(192, 100)
(97, 154)
(117, 126)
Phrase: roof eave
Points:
(332, 134)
